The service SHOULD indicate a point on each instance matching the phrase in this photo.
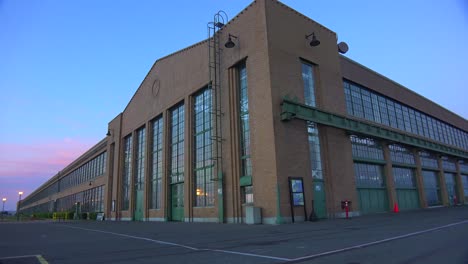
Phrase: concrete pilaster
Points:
(188, 165)
(419, 180)
(459, 183)
(165, 195)
(147, 176)
(389, 181)
(443, 186)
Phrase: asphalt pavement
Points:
(435, 235)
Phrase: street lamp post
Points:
(17, 210)
(3, 207)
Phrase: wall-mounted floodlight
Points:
(230, 44)
(343, 47)
(314, 42)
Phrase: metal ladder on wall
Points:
(214, 69)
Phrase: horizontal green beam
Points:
(292, 109)
(245, 180)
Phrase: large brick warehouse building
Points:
(265, 121)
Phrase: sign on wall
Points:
(296, 194)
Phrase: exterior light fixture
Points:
(17, 210)
(108, 132)
(314, 42)
(3, 207)
(230, 44)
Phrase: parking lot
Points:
(424, 236)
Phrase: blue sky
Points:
(68, 67)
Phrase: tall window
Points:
(309, 84)
(246, 161)
(203, 162)
(312, 130)
(127, 172)
(176, 168)
(156, 170)
(314, 150)
(140, 159)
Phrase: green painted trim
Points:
(450, 171)
(364, 160)
(203, 131)
(245, 181)
(279, 220)
(371, 188)
(406, 188)
(404, 165)
(220, 197)
(204, 168)
(293, 109)
(429, 169)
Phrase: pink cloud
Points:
(26, 166)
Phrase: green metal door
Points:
(371, 190)
(407, 199)
(319, 199)
(372, 200)
(177, 202)
(451, 187)
(138, 213)
(406, 188)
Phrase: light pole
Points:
(17, 210)
(3, 207)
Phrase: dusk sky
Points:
(69, 67)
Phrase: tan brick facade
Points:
(271, 40)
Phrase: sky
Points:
(69, 67)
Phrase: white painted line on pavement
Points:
(39, 258)
(248, 254)
(180, 245)
(378, 241)
(42, 259)
(16, 257)
(135, 237)
(279, 258)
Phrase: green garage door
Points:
(406, 188)
(371, 189)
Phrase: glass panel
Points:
(176, 166)
(401, 154)
(203, 163)
(309, 84)
(127, 172)
(156, 169)
(368, 175)
(403, 178)
(246, 163)
(366, 148)
(314, 150)
(363, 103)
(431, 187)
(140, 159)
